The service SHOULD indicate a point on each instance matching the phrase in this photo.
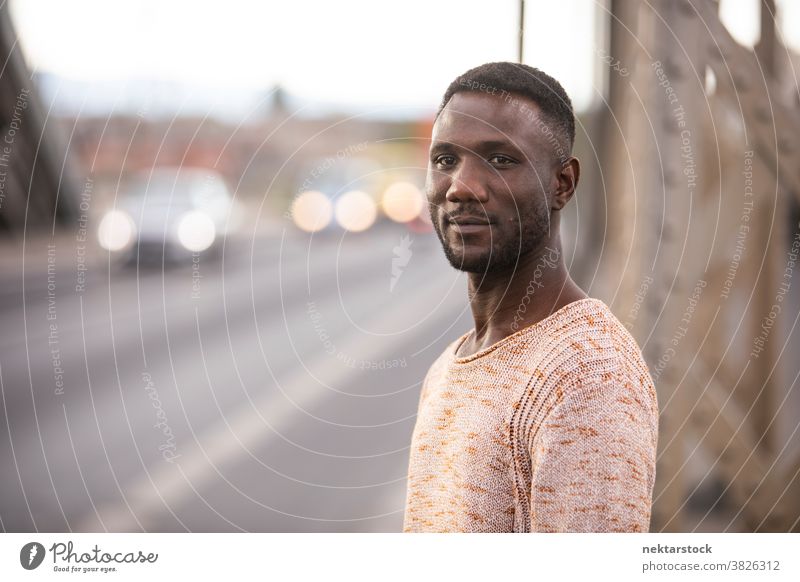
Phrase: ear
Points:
(567, 176)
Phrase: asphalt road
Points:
(271, 389)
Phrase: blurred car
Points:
(169, 214)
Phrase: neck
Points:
(507, 300)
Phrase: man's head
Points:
(500, 165)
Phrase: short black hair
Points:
(506, 78)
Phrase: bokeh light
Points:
(402, 202)
(355, 211)
(312, 211)
(196, 231)
(116, 231)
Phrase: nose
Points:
(468, 183)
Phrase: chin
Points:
(474, 258)
(476, 267)
(481, 260)
(478, 262)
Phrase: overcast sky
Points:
(356, 53)
(347, 51)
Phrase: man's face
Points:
(489, 172)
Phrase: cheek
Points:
(523, 212)
(436, 188)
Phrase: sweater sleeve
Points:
(593, 462)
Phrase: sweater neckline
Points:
(543, 324)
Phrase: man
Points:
(543, 418)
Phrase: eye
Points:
(444, 160)
(501, 160)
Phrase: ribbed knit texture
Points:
(552, 429)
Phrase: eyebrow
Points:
(491, 144)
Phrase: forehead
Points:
(472, 118)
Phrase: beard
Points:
(509, 241)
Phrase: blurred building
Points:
(37, 187)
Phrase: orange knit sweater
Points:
(552, 429)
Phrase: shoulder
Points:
(593, 345)
(589, 361)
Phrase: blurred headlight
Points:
(355, 211)
(116, 230)
(312, 211)
(196, 231)
(402, 202)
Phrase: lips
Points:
(468, 220)
(466, 225)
